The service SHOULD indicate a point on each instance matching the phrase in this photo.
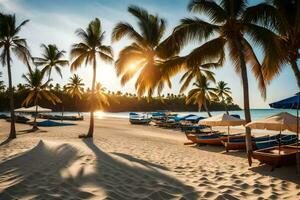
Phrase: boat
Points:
(135, 118)
(60, 117)
(212, 139)
(274, 141)
(3, 116)
(276, 156)
(240, 144)
(19, 119)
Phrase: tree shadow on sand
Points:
(65, 172)
(282, 173)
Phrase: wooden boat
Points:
(274, 141)
(276, 156)
(211, 139)
(240, 144)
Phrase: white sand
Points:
(130, 162)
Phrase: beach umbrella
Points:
(33, 109)
(222, 120)
(288, 103)
(291, 103)
(279, 122)
(22, 109)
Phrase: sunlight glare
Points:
(99, 114)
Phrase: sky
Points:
(55, 22)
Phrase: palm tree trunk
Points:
(35, 116)
(91, 129)
(206, 108)
(225, 106)
(226, 109)
(12, 133)
(296, 71)
(246, 99)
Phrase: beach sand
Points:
(126, 161)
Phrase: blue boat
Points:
(135, 118)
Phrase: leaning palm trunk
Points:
(206, 108)
(246, 100)
(296, 71)
(12, 133)
(91, 129)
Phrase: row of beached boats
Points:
(25, 116)
(273, 149)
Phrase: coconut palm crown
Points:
(283, 18)
(52, 58)
(147, 54)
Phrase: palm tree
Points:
(37, 90)
(88, 51)
(147, 54)
(75, 88)
(227, 29)
(2, 86)
(201, 94)
(223, 92)
(51, 58)
(283, 18)
(10, 42)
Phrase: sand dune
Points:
(131, 162)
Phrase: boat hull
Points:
(140, 121)
(276, 156)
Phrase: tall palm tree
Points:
(89, 51)
(202, 94)
(147, 54)
(52, 58)
(10, 43)
(37, 90)
(282, 17)
(223, 92)
(75, 87)
(227, 29)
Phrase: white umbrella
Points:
(22, 109)
(33, 109)
(279, 122)
(222, 120)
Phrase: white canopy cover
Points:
(222, 120)
(279, 122)
(33, 109)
